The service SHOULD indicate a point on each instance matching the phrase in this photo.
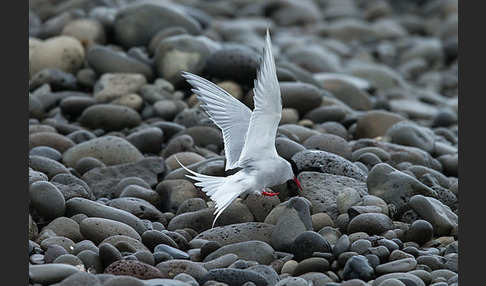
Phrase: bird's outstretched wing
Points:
(260, 139)
(227, 112)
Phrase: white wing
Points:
(227, 112)
(222, 190)
(260, 140)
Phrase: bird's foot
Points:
(269, 194)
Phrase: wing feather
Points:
(260, 139)
(227, 112)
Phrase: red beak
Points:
(298, 183)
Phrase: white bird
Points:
(249, 136)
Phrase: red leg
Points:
(269, 194)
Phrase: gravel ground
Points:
(370, 125)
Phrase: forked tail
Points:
(215, 188)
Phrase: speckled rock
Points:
(63, 52)
(322, 190)
(326, 162)
(238, 233)
(235, 62)
(173, 267)
(133, 268)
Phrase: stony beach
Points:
(369, 123)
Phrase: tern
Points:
(249, 136)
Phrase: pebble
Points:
(252, 250)
(330, 143)
(441, 217)
(395, 187)
(111, 86)
(404, 277)
(420, 231)
(135, 25)
(357, 267)
(97, 229)
(66, 227)
(47, 199)
(301, 96)
(63, 52)
(292, 281)
(80, 278)
(410, 134)
(321, 220)
(46, 151)
(173, 267)
(53, 140)
(52, 252)
(91, 261)
(104, 60)
(110, 150)
(108, 254)
(181, 52)
(321, 190)
(375, 123)
(101, 211)
(172, 251)
(234, 62)
(140, 192)
(401, 265)
(240, 232)
(138, 207)
(57, 79)
(308, 242)
(87, 31)
(347, 198)
(74, 105)
(174, 192)
(231, 276)
(294, 220)
(346, 90)
(133, 268)
(50, 273)
(260, 206)
(104, 181)
(327, 162)
(109, 117)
